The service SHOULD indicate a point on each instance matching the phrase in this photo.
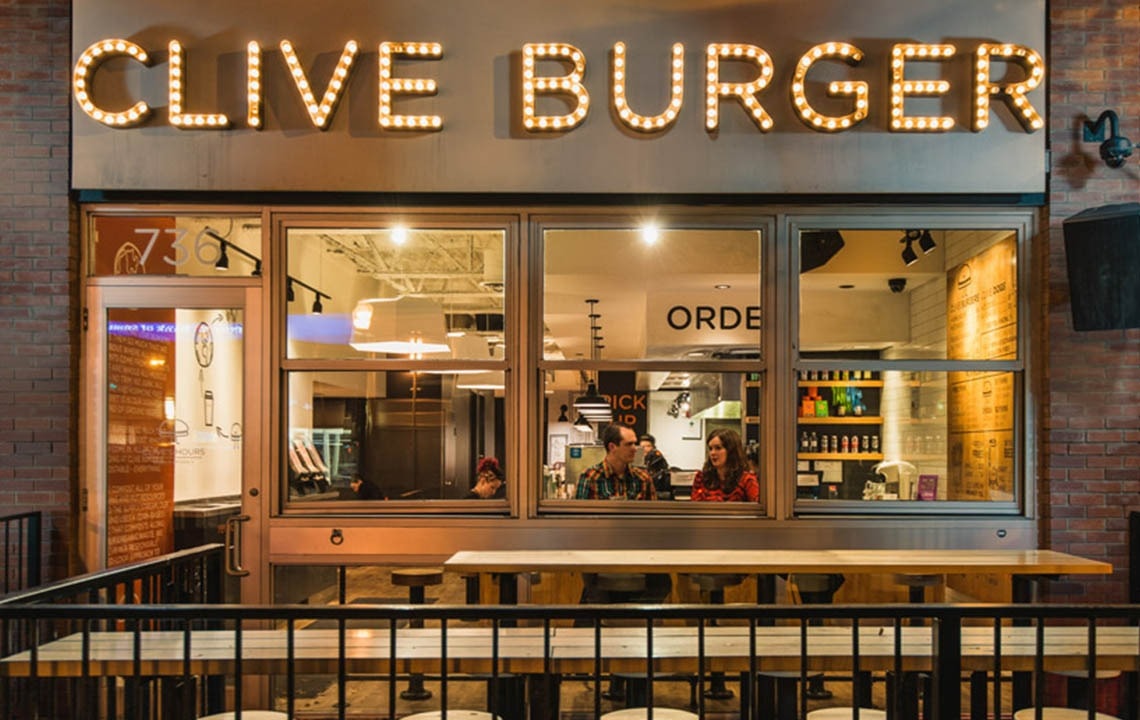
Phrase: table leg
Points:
(765, 589)
(1024, 590)
(508, 588)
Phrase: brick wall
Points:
(38, 272)
(1091, 406)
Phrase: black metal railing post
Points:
(947, 666)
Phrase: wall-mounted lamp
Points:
(925, 243)
(1115, 149)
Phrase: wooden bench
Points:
(571, 650)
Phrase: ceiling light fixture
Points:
(404, 325)
(650, 233)
(926, 242)
(909, 256)
(223, 262)
(399, 234)
(592, 404)
(291, 294)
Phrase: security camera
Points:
(897, 285)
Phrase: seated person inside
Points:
(488, 481)
(657, 467)
(726, 475)
(616, 478)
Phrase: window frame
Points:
(1023, 223)
(459, 220)
(687, 218)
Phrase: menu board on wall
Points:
(140, 437)
(981, 324)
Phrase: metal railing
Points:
(22, 543)
(171, 662)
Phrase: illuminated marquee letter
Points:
(390, 86)
(857, 89)
(253, 85)
(901, 87)
(745, 93)
(1013, 92)
(646, 123)
(569, 84)
(319, 112)
(85, 68)
(174, 89)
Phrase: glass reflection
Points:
(393, 435)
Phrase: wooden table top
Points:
(924, 562)
(524, 650)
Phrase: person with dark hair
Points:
(615, 477)
(366, 489)
(488, 481)
(727, 475)
(657, 466)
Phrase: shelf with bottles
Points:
(840, 420)
(841, 383)
(872, 456)
(831, 378)
(843, 445)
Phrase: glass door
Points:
(170, 444)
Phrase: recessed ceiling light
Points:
(650, 233)
(721, 286)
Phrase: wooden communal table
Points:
(1025, 566)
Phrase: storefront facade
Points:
(761, 222)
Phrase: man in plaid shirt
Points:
(615, 477)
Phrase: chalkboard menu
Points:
(140, 437)
(981, 324)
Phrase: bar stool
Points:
(452, 715)
(416, 579)
(1057, 713)
(846, 713)
(713, 586)
(1077, 690)
(248, 715)
(914, 685)
(640, 713)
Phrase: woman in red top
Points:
(726, 476)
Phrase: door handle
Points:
(233, 545)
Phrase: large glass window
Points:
(908, 372)
(395, 382)
(658, 329)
